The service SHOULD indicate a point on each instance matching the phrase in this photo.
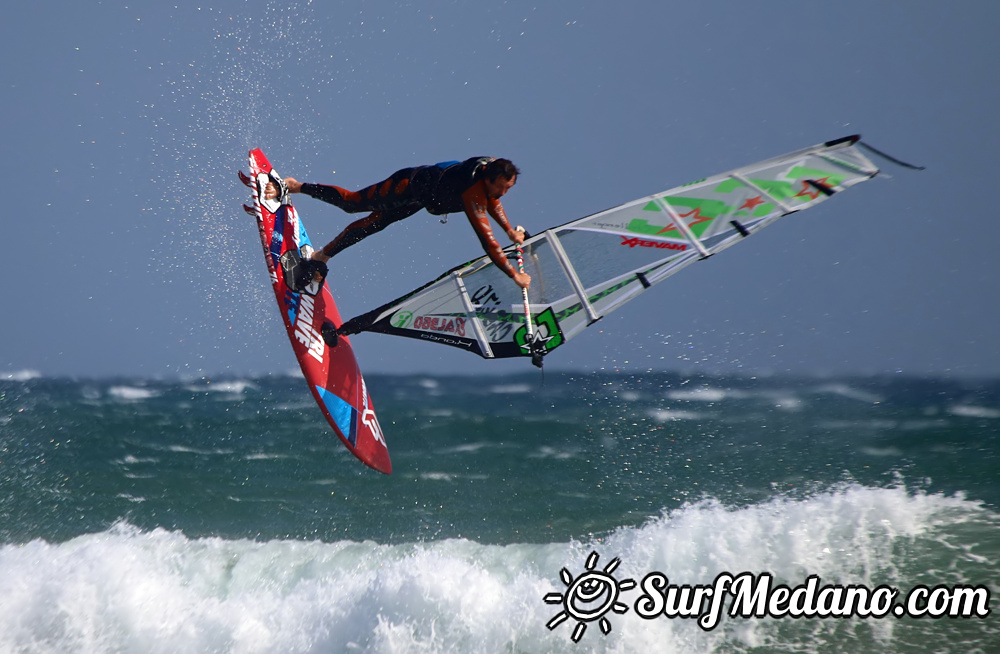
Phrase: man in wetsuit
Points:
(474, 186)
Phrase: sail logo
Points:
(438, 324)
(546, 337)
(643, 243)
(485, 295)
(305, 333)
(446, 340)
(402, 319)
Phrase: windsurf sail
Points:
(587, 268)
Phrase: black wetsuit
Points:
(440, 189)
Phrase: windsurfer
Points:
(474, 186)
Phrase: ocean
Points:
(222, 515)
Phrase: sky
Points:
(128, 252)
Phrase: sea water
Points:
(223, 515)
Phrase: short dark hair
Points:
(500, 168)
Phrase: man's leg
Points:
(371, 198)
(361, 229)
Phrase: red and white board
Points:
(332, 373)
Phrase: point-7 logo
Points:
(594, 593)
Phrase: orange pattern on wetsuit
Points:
(386, 194)
(387, 200)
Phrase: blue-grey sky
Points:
(128, 252)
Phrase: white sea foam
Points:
(266, 456)
(699, 395)
(184, 449)
(882, 451)
(21, 375)
(131, 393)
(466, 448)
(437, 476)
(670, 415)
(511, 389)
(159, 591)
(972, 411)
(548, 452)
(235, 387)
(852, 393)
(785, 401)
(130, 460)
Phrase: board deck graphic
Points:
(334, 377)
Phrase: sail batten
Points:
(470, 312)
(574, 279)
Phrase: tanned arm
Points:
(478, 209)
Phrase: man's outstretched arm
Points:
(476, 210)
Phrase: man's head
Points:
(499, 176)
